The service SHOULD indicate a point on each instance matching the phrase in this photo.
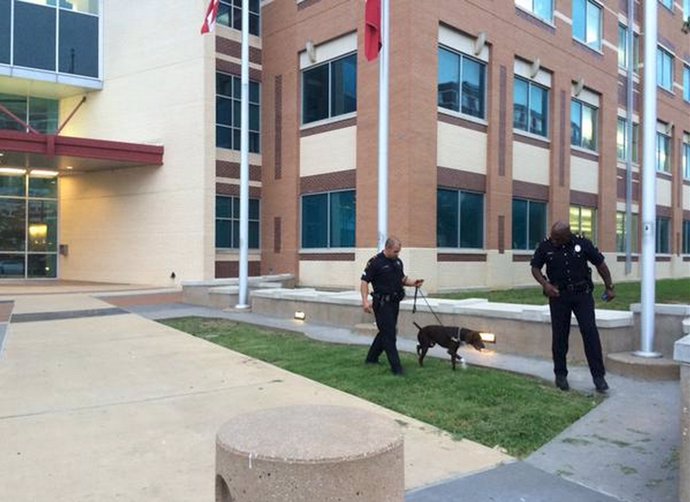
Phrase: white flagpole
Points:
(244, 162)
(649, 117)
(383, 125)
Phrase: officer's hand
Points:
(610, 295)
(366, 305)
(418, 283)
(551, 291)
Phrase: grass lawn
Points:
(492, 407)
(627, 293)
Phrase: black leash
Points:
(414, 306)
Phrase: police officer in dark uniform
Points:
(569, 288)
(385, 272)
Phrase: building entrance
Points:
(28, 223)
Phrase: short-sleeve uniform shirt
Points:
(384, 274)
(567, 264)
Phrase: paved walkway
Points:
(100, 403)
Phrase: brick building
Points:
(504, 117)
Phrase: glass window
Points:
(663, 235)
(587, 23)
(12, 225)
(342, 219)
(459, 219)
(11, 265)
(28, 226)
(18, 105)
(330, 89)
(686, 156)
(43, 114)
(229, 113)
(686, 237)
(543, 9)
(42, 265)
(328, 220)
(228, 223)
(620, 232)
(583, 221)
(667, 3)
(529, 223)
(12, 185)
(230, 14)
(623, 48)
(622, 140)
(39, 113)
(43, 225)
(583, 122)
(461, 83)
(45, 187)
(86, 6)
(5, 32)
(686, 8)
(34, 36)
(78, 44)
(686, 83)
(664, 69)
(663, 153)
(530, 107)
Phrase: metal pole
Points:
(649, 117)
(629, 41)
(383, 125)
(244, 162)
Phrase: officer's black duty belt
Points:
(577, 287)
(393, 297)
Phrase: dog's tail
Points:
(418, 326)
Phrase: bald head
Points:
(392, 247)
(560, 233)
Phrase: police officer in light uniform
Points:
(385, 272)
(569, 288)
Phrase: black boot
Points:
(562, 382)
(600, 384)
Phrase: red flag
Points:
(372, 29)
(210, 19)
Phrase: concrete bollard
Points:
(682, 355)
(310, 453)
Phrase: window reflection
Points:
(12, 221)
(45, 37)
(42, 225)
(28, 225)
(461, 83)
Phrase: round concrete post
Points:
(307, 453)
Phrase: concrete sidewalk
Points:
(99, 404)
(625, 449)
(103, 404)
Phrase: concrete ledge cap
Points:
(681, 350)
(680, 309)
(310, 434)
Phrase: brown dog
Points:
(450, 337)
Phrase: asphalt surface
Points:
(626, 449)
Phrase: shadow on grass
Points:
(515, 413)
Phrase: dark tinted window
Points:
(34, 36)
(78, 44)
(5, 31)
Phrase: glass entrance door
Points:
(28, 224)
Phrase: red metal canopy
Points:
(71, 155)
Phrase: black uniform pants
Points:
(582, 305)
(386, 313)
